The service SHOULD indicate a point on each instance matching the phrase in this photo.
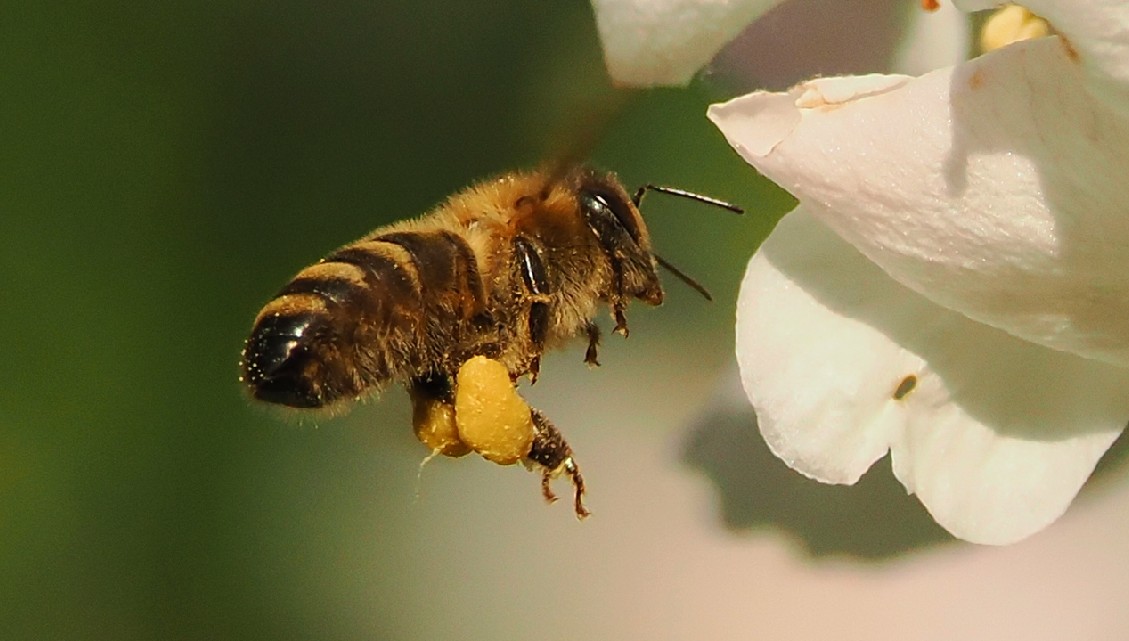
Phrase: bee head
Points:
(614, 219)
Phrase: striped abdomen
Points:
(366, 315)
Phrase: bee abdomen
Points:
(357, 319)
(276, 363)
(447, 271)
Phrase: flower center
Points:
(1011, 23)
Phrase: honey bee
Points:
(504, 270)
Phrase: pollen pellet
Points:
(492, 419)
(434, 424)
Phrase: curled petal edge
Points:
(994, 188)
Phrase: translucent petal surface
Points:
(800, 38)
(995, 188)
(932, 39)
(665, 42)
(996, 435)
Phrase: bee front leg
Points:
(536, 281)
(554, 457)
(619, 301)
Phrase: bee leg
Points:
(546, 490)
(593, 342)
(553, 455)
(619, 301)
(536, 281)
(534, 369)
(620, 319)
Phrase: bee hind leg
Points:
(554, 457)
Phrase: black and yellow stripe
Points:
(359, 318)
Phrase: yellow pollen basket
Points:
(492, 418)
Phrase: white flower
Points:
(649, 42)
(665, 42)
(954, 286)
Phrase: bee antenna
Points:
(682, 193)
(674, 191)
(695, 285)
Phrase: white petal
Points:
(995, 188)
(1098, 35)
(932, 39)
(665, 42)
(996, 437)
(802, 38)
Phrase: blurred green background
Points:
(166, 168)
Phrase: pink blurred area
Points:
(699, 533)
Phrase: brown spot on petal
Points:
(1071, 52)
(976, 80)
(905, 387)
(930, 5)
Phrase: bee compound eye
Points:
(594, 205)
(607, 213)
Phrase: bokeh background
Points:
(165, 168)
